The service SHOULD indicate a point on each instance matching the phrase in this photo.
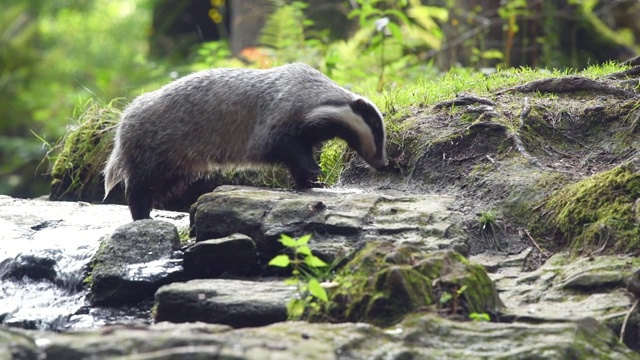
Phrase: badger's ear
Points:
(359, 106)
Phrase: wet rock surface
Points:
(424, 336)
(337, 219)
(134, 262)
(236, 303)
(550, 307)
(234, 255)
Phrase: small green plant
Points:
(184, 235)
(332, 160)
(479, 317)
(306, 270)
(452, 296)
(488, 227)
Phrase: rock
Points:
(566, 288)
(231, 302)
(633, 283)
(119, 340)
(134, 262)
(424, 336)
(18, 346)
(31, 266)
(337, 219)
(231, 255)
(384, 282)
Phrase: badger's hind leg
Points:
(140, 200)
(143, 195)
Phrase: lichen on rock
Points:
(384, 282)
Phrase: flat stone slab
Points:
(237, 303)
(566, 287)
(337, 219)
(422, 337)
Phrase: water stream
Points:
(45, 249)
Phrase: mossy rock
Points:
(598, 213)
(384, 282)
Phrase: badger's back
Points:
(227, 114)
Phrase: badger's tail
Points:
(113, 172)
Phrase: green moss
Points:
(384, 282)
(76, 171)
(598, 212)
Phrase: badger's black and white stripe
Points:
(236, 117)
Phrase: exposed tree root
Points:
(633, 61)
(536, 244)
(626, 319)
(629, 73)
(464, 100)
(568, 84)
(526, 110)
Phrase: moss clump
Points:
(85, 147)
(599, 212)
(384, 282)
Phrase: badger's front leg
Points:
(303, 168)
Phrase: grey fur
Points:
(168, 137)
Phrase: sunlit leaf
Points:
(280, 261)
(295, 308)
(304, 250)
(287, 241)
(303, 240)
(395, 32)
(314, 261)
(317, 290)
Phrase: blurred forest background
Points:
(59, 56)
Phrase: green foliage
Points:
(83, 151)
(383, 19)
(55, 55)
(332, 160)
(286, 35)
(480, 317)
(305, 274)
(184, 234)
(489, 227)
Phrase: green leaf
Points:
(280, 261)
(462, 289)
(317, 290)
(303, 240)
(479, 317)
(445, 298)
(295, 308)
(395, 32)
(314, 261)
(287, 241)
(399, 14)
(304, 250)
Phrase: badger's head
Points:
(369, 128)
(357, 121)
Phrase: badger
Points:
(170, 137)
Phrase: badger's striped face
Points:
(359, 123)
(370, 129)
